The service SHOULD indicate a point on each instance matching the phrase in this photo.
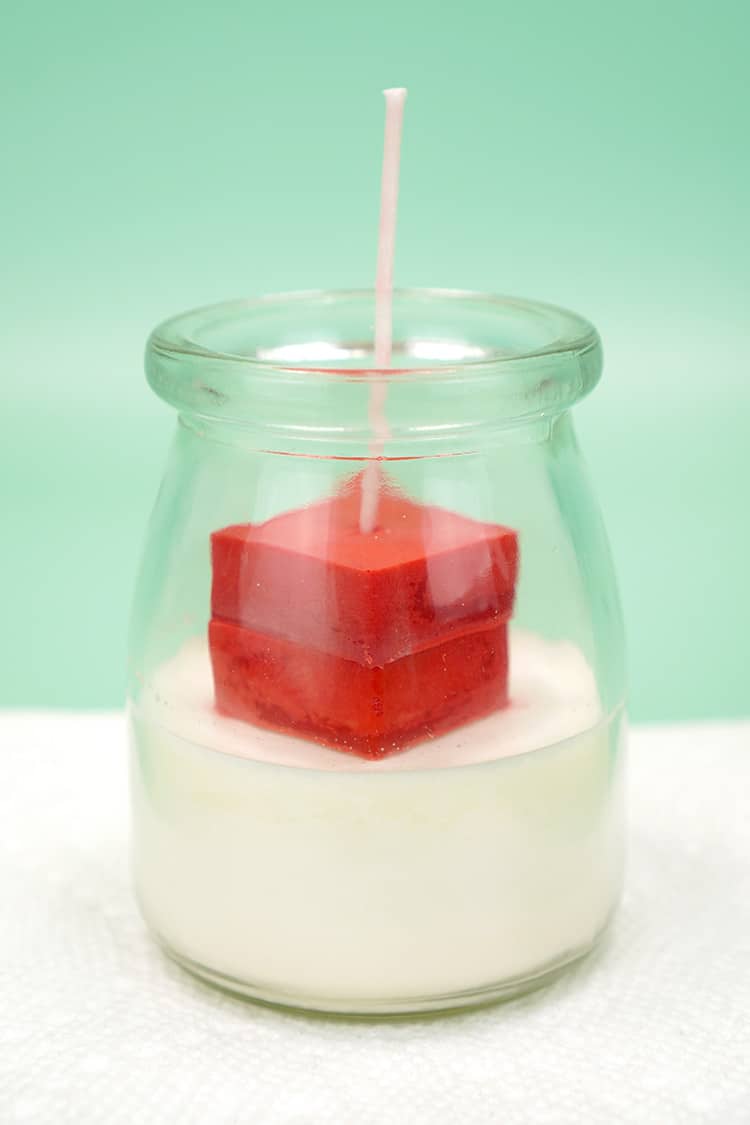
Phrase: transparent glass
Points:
(376, 764)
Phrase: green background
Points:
(159, 156)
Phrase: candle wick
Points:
(394, 117)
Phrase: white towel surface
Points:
(98, 1028)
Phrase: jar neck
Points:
(440, 444)
(467, 369)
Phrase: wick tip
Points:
(396, 92)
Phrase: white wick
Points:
(394, 118)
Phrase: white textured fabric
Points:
(96, 1026)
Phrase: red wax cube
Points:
(310, 575)
(365, 710)
(364, 642)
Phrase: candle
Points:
(377, 768)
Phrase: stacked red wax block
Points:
(365, 642)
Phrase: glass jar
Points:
(376, 759)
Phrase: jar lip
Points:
(297, 365)
(179, 335)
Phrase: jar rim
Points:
(522, 357)
(175, 333)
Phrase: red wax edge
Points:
(424, 575)
(353, 707)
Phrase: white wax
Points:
(309, 874)
(552, 690)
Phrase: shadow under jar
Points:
(376, 769)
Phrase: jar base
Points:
(370, 1008)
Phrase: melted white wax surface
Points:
(476, 858)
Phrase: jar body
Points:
(377, 774)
